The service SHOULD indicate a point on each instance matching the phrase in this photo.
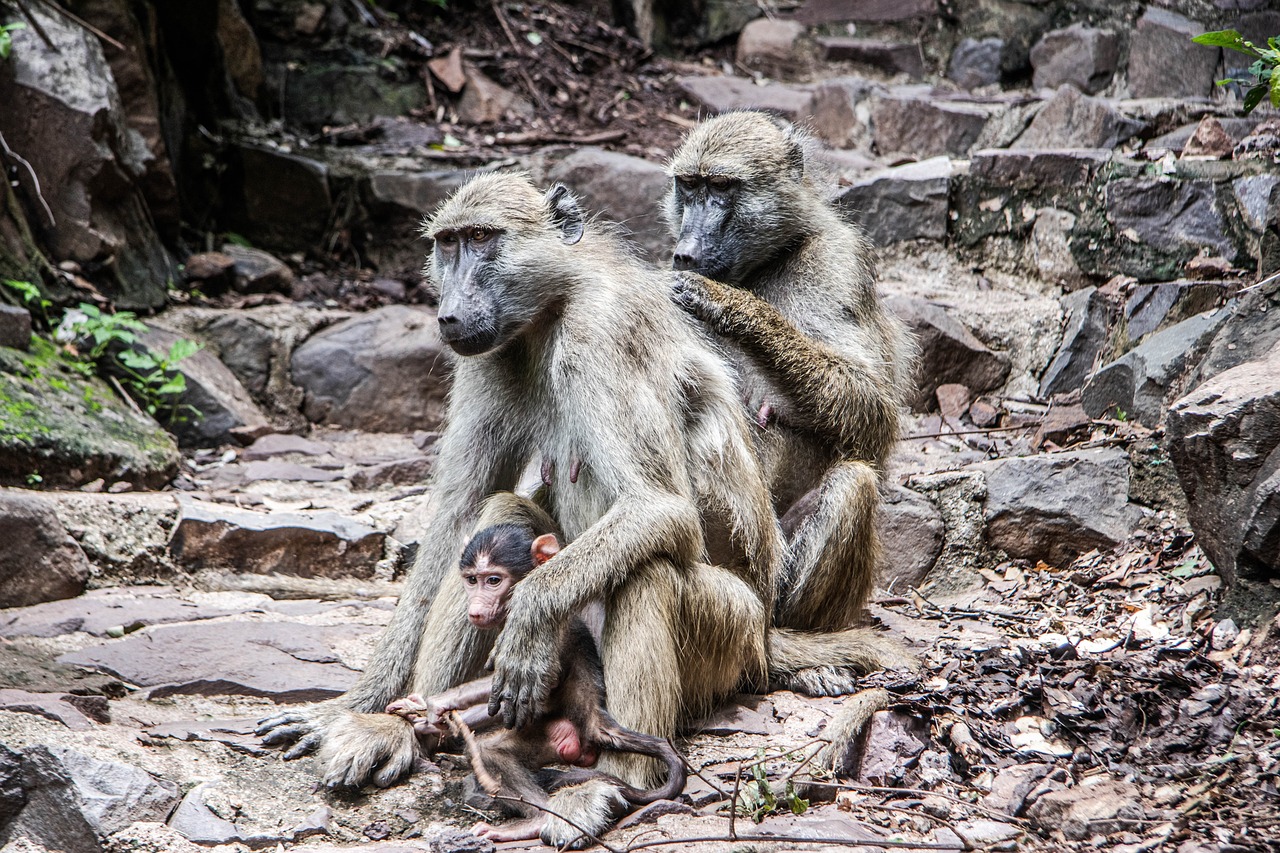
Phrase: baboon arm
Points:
(840, 395)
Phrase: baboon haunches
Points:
(572, 352)
(823, 366)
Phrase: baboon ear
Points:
(544, 548)
(566, 213)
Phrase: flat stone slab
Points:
(237, 734)
(99, 611)
(53, 706)
(282, 661)
(723, 94)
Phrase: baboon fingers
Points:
(268, 725)
(305, 746)
(286, 734)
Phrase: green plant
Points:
(1266, 62)
(31, 297)
(34, 478)
(6, 40)
(756, 797)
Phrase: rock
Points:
(911, 535)
(1254, 194)
(815, 12)
(953, 401)
(12, 796)
(485, 102)
(199, 823)
(1038, 167)
(282, 661)
(279, 444)
(1209, 142)
(448, 70)
(453, 841)
(653, 811)
(52, 817)
(1034, 509)
(397, 201)
(1175, 217)
(1010, 787)
(625, 189)
(902, 203)
(215, 408)
(316, 94)
(258, 271)
(724, 94)
(39, 560)
(52, 706)
(99, 611)
(1050, 247)
(770, 44)
(1089, 810)
(1176, 140)
(1138, 383)
(1072, 120)
(976, 62)
(748, 714)
(840, 115)
(88, 161)
(948, 352)
(320, 544)
(290, 471)
(15, 327)
(237, 734)
(283, 198)
(1063, 422)
(923, 127)
(891, 57)
(1224, 439)
(212, 272)
(386, 370)
(1250, 333)
(1159, 35)
(892, 739)
(1079, 55)
(1088, 323)
(400, 472)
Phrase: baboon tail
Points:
(828, 663)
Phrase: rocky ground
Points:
(1082, 523)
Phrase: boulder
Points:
(815, 12)
(1079, 55)
(1250, 333)
(1137, 384)
(39, 561)
(1049, 248)
(1088, 322)
(625, 189)
(15, 327)
(1034, 509)
(1098, 807)
(949, 352)
(911, 534)
(60, 428)
(1038, 167)
(1254, 196)
(485, 102)
(1159, 36)
(257, 271)
(398, 201)
(1224, 439)
(386, 370)
(724, 94)
(1176, 218)
(316, 94)
(88, 161)
(770, 44)
(840, 116)
(902, 203)
(319, 544)
(282, 199)
(1072, 120)
(923, 127)
(976, 62)
(891, 57)
(212, 272)
(12, 795)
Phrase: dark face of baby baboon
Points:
(494, 561)
(481, 253)
(737, 182)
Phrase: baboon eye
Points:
(447, 239)
(493, 580)
(470, 579)
(689, 182)
(480, 235)
(720, 182)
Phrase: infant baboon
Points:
(823, 366)
(575, 726)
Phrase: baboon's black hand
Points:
(525, 661)
(693, 295)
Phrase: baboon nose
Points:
(682, 261)
(448, 319)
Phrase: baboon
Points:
(573, 352)
(575, 726)
(790, 287)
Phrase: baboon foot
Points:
(589, 811)
(362, 748)
(818, 681)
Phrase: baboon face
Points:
(492, 239)
(734, 182)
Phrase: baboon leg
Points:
(833, 554)
(722, 646)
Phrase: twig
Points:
(459, 727)
(9, 152)
(506, 28)
(809, 839)
(919, 792)
(696, 771)
(586, 139)
(733, 805)
(115, 383)
(597, 839)
(35, 25)
(970, 431)
(88, 26)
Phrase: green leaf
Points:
(1253, 98)
(534, 39)
(238, 240)
(137, 360)
(182, 348)
(1230, 39)
(173, 387)
(1275, 90)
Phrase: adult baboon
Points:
(572, 352)
(823, 366)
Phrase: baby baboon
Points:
(572, 351)
(575, 725)
(823, 366)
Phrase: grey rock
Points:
(418, 193)
(949, 352)
(747, 714)
(114, 795)
(1250, 333)
(892, 738)
(324, 93)
(1139, 382)
(282, 661)
(279, 444)
(891, 57)
(911, 535)
(1179, 217)
(212, 272)
(398, 201)
(239, 735)
(99, 610)
(227, 414)
(453, 841)
(52, 816)
(1079, 55)
(15, 327)
(1088, 322)
(838, 115)
(199, 823)
(1034, 511)
(399, 472)
(1257, 199)
(625, 189)
(920, 126)
(1038, 167)
(770, 44)
(291, 471)
(1010, 787)
(1176, 140)
(653, 811)
(51, 706)
(320, 544)
(386, 370)
(1072, 120)
(1150, 307)
(1050, 247)
(257, 271)
(723, 94)
(12, 795)
(815, 12)
(903, 203)
(1086, 811)
(285, 197)
(976, 62)
(1224, 439)
(485, 102)
(1159, 35)
(39, 561)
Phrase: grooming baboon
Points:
(575, 726)
(823, 366)
(573, 352)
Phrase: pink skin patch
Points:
(564, 736)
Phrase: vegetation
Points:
(1266, 62)
(6, 39)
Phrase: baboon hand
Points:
(697, 296)
(303, 728)
(427, 715)
(525, 664)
